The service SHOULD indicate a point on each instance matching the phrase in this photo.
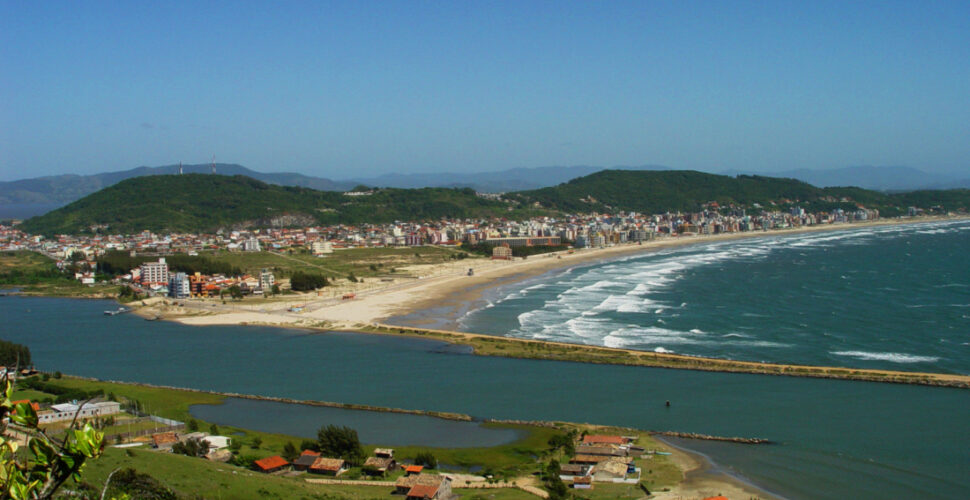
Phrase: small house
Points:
(600, 439)
(164, 440)
(378, 466)
(271, 464)
(424, 487)
(413, 469)
(305, 460)
(328, 466)
(583, 483)
(613, 468)
(574, 470)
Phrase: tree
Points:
(554, 485)
(214, 430)
(341, 442)
(309, 444)
(257, 442)
(426, 459)
(12, 354)
(290, 453)
(275, 289)
(193, 447)
(40, 470)
(235, 292)
(192, 425)
(307, 282)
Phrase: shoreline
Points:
(702, 477)
(441, 295)
(449, 290)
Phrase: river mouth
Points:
(373, 427)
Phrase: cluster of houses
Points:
(413, 485)
(603, 458)
(586, 230)
(157, 279)
(218, 445)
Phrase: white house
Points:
(66, 411)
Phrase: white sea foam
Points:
(696, 330)
(661, 350)
(895, 357)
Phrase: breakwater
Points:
(707, 437)
(490, 345)
(329, 404)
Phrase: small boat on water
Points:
(117, 311)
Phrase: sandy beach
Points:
(437, 300)
(702, 479)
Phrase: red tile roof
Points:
(414, 468)
(310, 452)
(271, 462)
(35, 406)
(601, 439)
(423, 491)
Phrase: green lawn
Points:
(340, 263)
(213, 480)
(30, 394)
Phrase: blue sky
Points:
(354, 88)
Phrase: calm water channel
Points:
(838, 439)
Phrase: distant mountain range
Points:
(28, 197)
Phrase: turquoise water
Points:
(838, 439)
(390, 429)
(894, 297)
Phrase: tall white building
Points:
(266, 280)
(251, 245)
(154, 272)
(178, 286)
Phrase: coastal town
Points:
(500, 236)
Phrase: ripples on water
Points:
(888, 297)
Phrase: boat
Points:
(117, 311)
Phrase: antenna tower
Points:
(213, 164)
(180, 168)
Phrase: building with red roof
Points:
(604, 439)
(271, 464)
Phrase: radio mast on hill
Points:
(213, 164)
(180, 168)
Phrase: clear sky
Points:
(361, 88)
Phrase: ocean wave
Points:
(895, 357)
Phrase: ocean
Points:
(891, 297)
(836, 439)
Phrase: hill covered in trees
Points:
(206, 203)
(195, 202)
(685, 191)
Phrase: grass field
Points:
(193, 477)
(214, 480)
(340, 263)
(31, 273)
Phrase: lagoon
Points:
(838, 439)
(373, 427)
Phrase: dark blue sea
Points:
(893, 297)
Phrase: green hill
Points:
(196, 202)
(205, 203)
(685, 191)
